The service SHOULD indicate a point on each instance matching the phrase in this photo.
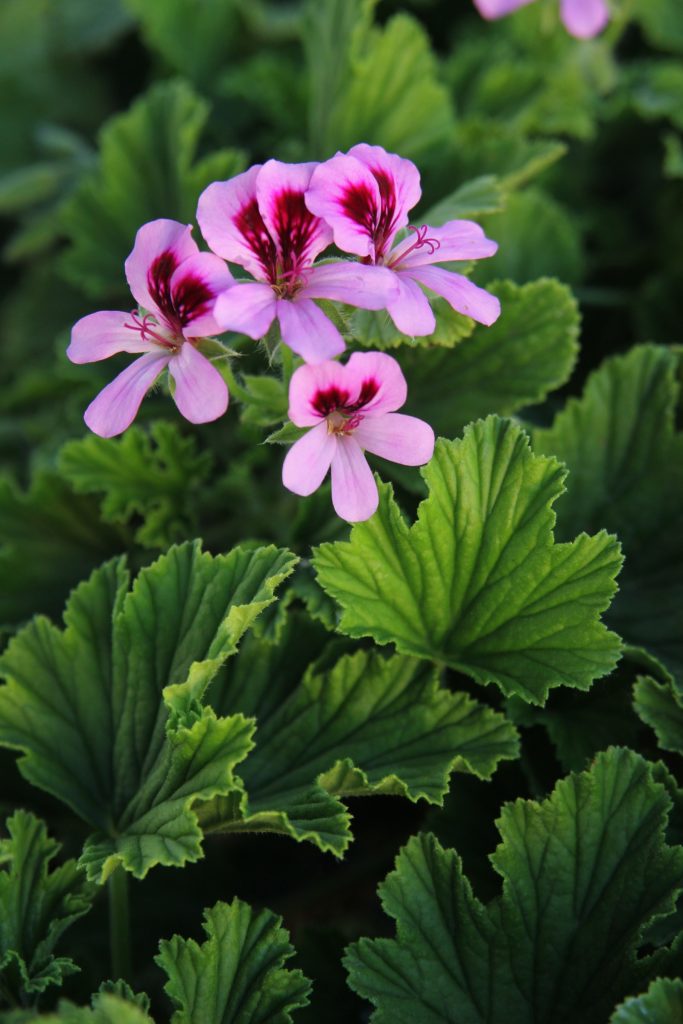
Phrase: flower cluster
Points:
(582, 18)
(274, 221)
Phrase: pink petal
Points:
(344, 192)
(160, 247)
(381, 371)
(201, 394)
(354, 283)
(398, 180)
(459, 292)
(297, 233)
(103, 334)
(309, 381)
(492, 9)
(247, 308)
(194, 288)
(584, 18)
(307, 330)
(116, 406)
(308, 460)
(354, 491)
(410, 310)
(231, 223)
(455, 240)
(399, 438)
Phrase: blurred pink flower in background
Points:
(582, 18)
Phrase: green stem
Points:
(234, 388)
(287, 358)
(119, 924)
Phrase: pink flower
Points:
(365, 196)
(582, 18)
(259, 220)
(176, 286)
(351, 408)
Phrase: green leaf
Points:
(661, 1004)
(157, 475)
(473, 199)
(528, 352)
(50, 538)
(478, 582)
(626, 464)
(661, 22)
(376, 329)
(366, 726)
(36, 907)
(106, 712)
(583, 873)
(147, 169)
(237, 975)
(105, 1009)
(267, 402)
(536, 237)
(659, 706)
(382, 83)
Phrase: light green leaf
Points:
(583, 873)
(661, 22)
(237, 975)
(528, 352)
(659, 706)
(661, 1004)
(156, 475)
(147, 169)
(626, 464)
(478, 582)
(106, 1009)
(36, 907)
(473, 199)
(536, 237)
(267, 403)
(106, 711)
(382, 86)
(376, 329)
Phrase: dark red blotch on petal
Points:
(190, 299)
(294, 225)
(334, 399)
(251, 225)
(360, 204)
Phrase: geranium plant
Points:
(400, 514)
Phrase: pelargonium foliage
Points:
(341, 512)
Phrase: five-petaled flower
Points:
(365, 195)
(582, 18)
(175, 286)
(260, 221)
(351, 408)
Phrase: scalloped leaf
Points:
(478, 582)
(106, 712)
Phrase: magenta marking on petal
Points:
(250, 224)
(330, 400)
(359, 203)
(192, 297)
(159, 279)
(336, 403)
(295, 225)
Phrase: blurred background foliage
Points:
(115, 112)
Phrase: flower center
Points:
(420, 241)
(342, 423)
(286, 283)
(344, 414)
(149, 330)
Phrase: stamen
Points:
(420, 241)
(145, 331)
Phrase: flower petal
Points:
(354, 491)
(307, 330)
(584, 18)
(344, 192)
(298, 234)
(308, 460)
(379, 375)
(399, 438)
(201, 394)
(459, 292)
(160, 247)
(455, 240)
(232, 224)
(247, 308)
(354, 283)
(492, 9)
(410, 310)
(116, 406)
(103, 334)
(399, 184)
(309, 381)
(194, 288)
